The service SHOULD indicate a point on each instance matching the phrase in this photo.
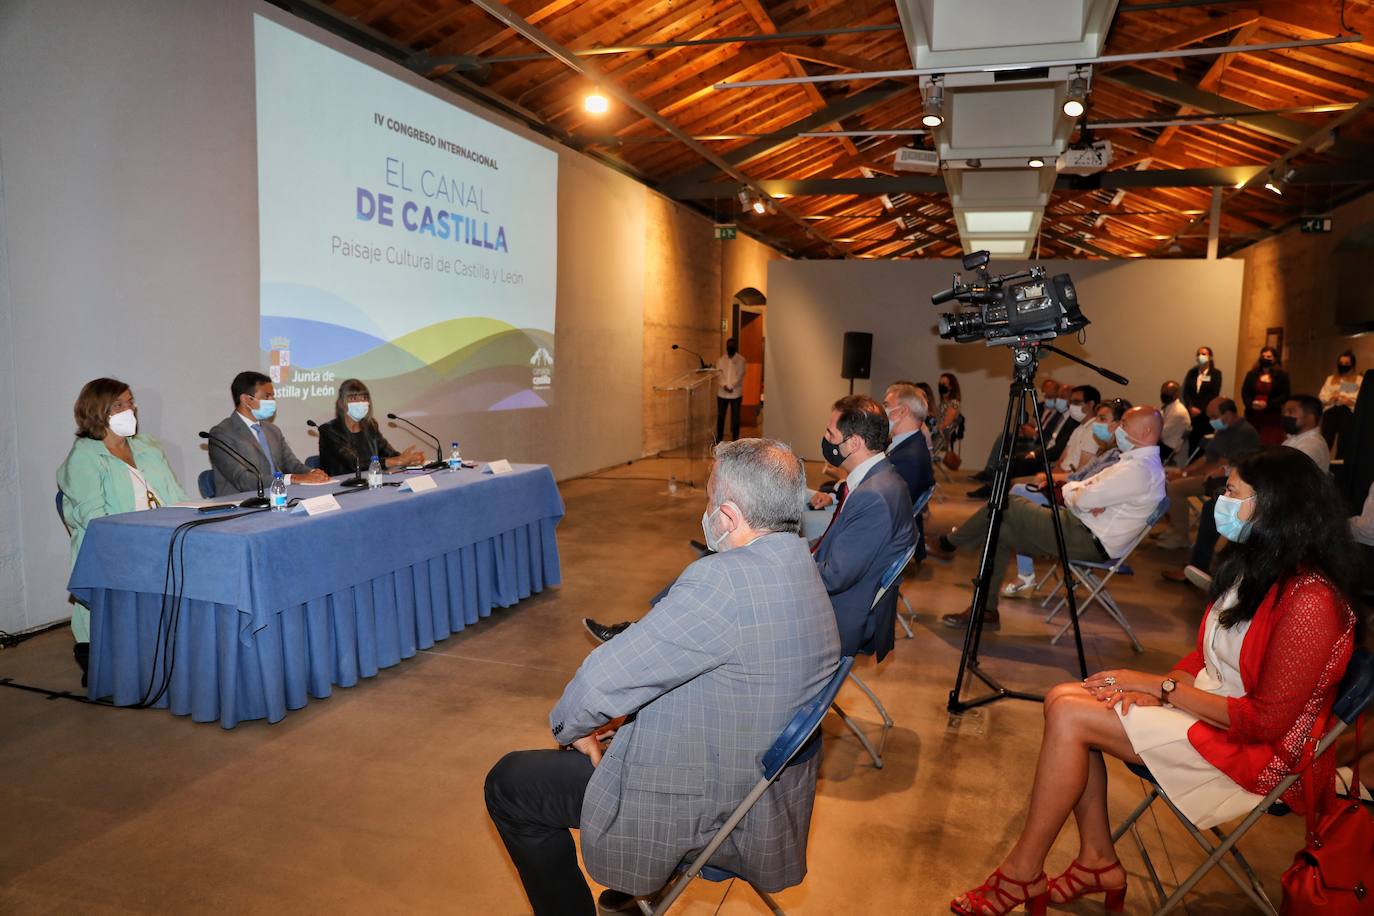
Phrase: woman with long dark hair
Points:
(348, 442)
(947, 415)
(1201, 384)
(1263, 392)
(1222, 728)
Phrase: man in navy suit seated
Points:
(871, 529)
(908, 450)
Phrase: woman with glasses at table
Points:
(1231, 719)
(109, 470)
(354, 431)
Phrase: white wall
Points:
(129, 227)
(1148, 317)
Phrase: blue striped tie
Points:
(262, 440)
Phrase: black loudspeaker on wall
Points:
(858, 355)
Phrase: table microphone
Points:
(253, 502)
(438, 461)
(699, 357)
(357, 480)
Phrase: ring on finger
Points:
(1109, 681)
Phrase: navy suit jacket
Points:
(871, 532)
(912, 460)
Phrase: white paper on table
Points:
(317, 505)
(311, 483)
(422, 484)
(499, 466)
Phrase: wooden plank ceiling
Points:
(454, 38)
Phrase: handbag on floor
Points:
(951, 457)
(1334, 873)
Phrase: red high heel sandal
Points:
(992, 899)
(1071, 887)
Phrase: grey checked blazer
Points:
(713, 673)
(232, 477)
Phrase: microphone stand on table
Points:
(438, 461)
(253, 502)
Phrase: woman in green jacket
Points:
(109, 470)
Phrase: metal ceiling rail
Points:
(1041, 64)
(1221, 117)
(513, 21)
(685, 43)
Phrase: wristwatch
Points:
(1166, 691)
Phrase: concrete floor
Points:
(371, 801)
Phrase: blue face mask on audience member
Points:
(717, 546)
(1218, 424)
(831, 451)
(1229, 523)
(1102, 432)
(1123, 441)
(1060, 404)
(357, 410)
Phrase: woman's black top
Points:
(1279, 389)
(335, 454)
(1200, 397)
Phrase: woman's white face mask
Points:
(124, 423)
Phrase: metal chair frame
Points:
(1355, 694)
(917, 508)
(893, 574)
(1094, 576)
(798, 731)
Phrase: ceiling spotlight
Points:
(1075, 99)
(759, 206)
(1036, 162)
(933, 114)
(596, 103)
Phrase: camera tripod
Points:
(1025, 361)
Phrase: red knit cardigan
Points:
(1291, 662)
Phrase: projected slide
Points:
(403, 241)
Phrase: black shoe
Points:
(983, 476)
(82, 652)
(960, 621)
(605, 632)
(616, 902)
(982, 492)
(941, 548)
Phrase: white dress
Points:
(1160, 736)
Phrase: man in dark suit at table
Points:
(249, 432)
(754, 615)
(871, 528)
(910, 455)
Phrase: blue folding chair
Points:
(793, 738)
(894, 572)
(205, 482)
(61, 515)
(917, 508)
(1094, 576)
(313, 462)
(1353, 698)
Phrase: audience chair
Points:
(1356, 692)
(894, 572)
(1094, 576)
(795, 736)
(312, 462)
(61, 516)
(920, 506)
(205, 482)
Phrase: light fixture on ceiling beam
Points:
(1035, 162)
(933, 104)
(596, 103)
(1076, 97)
(1277, 183)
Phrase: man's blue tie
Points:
(262, 440)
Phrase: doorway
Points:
(748, 326)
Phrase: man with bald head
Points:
(1106, 512)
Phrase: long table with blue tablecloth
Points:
(278, 608)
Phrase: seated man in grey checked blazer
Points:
(707, 680)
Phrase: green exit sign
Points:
(726, 231)
(1315, 224)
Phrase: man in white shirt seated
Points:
(1178, 423)
(1302, 420)
(1107, 512)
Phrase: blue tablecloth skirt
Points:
(230, 668)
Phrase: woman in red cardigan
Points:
(1223, 728)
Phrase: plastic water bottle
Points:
(455, 458)
(374, 473)
(277, 494)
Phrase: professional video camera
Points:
(1010, 312)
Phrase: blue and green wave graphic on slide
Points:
(460, 365)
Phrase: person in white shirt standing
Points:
(1178, 423)
(1343, 388)
(1302, 419)
(731, 368)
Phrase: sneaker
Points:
(960, 621)
(602, 632)
(1197, 577)
(1021, 588)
